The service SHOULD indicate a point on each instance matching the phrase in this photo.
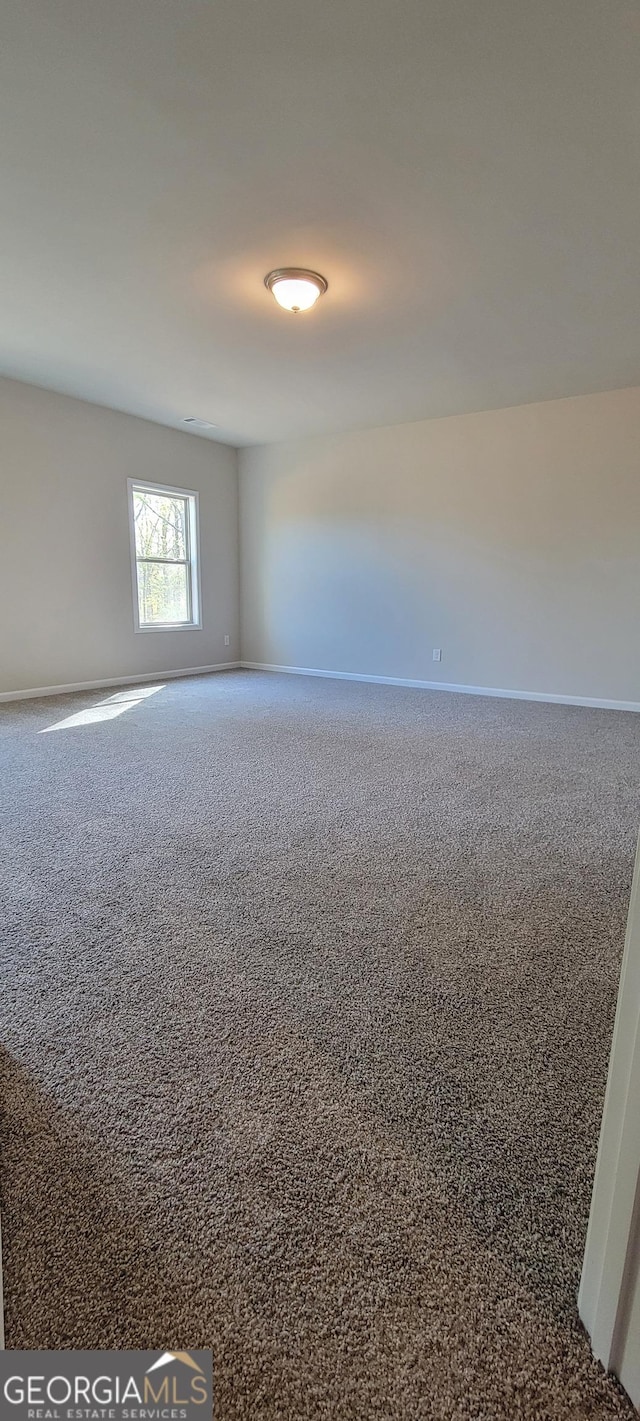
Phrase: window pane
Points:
(161, 524)
(163, 592)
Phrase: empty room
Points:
(319, 694)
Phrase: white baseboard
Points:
(549, 696)
(148, 676)
(116, 681)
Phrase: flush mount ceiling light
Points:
(194, 423)
(294, 288)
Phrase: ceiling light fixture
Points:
(195, 423)
(294, 288)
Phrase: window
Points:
(164, 554)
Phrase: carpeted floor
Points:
(308, 997)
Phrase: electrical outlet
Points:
(226, 640)
(437, 653)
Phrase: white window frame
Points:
(192, 560)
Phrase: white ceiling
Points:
(466, 174)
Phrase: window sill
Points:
(171, 627)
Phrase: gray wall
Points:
(510, 539)
(65, 571)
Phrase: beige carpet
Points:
(308, 996)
